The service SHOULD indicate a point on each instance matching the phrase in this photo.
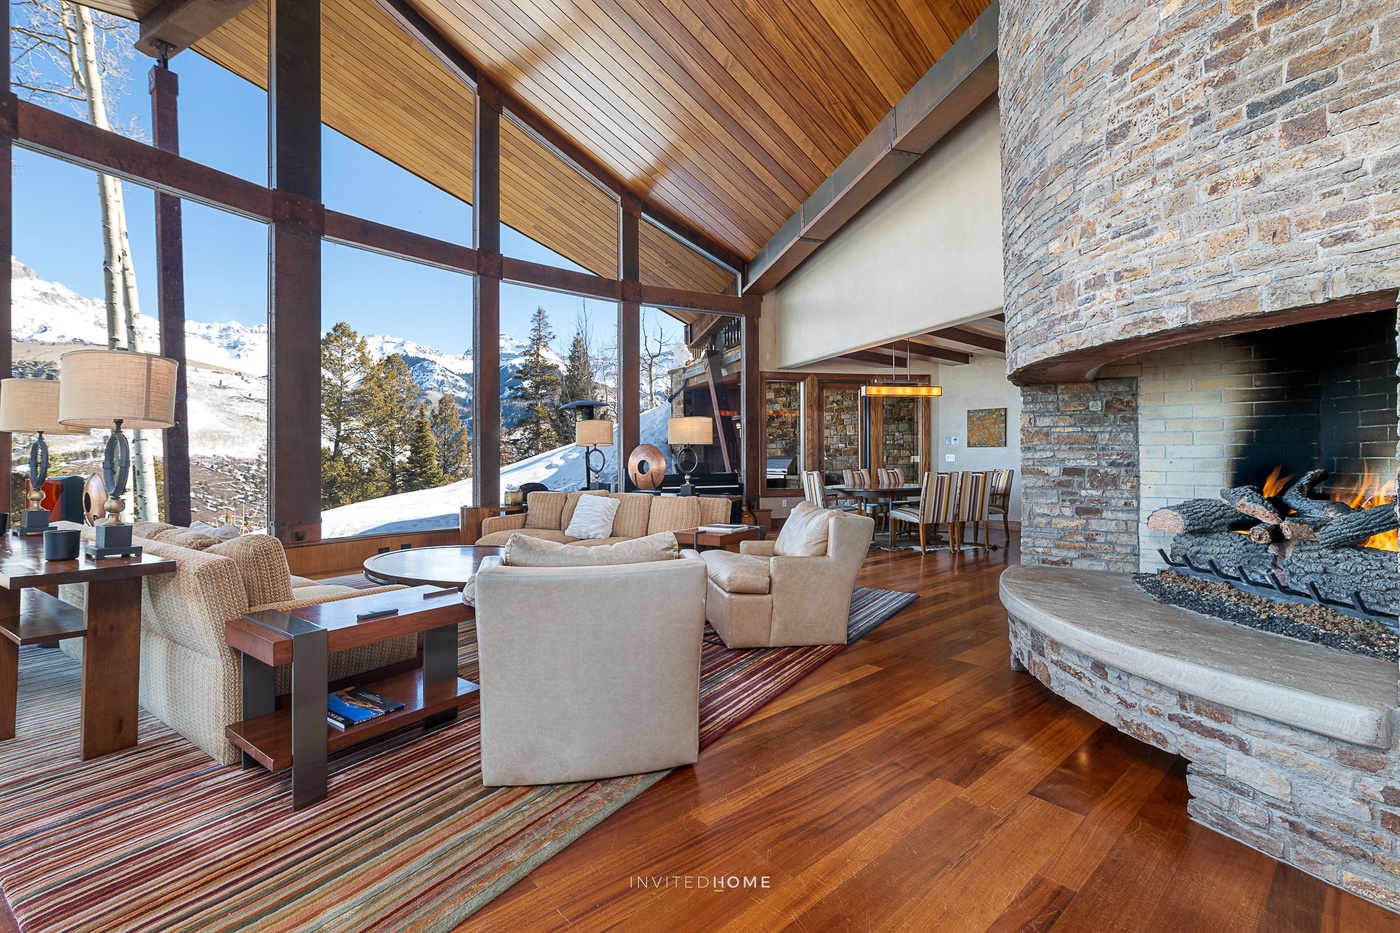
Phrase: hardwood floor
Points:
(916, 783)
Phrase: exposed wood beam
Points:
(9, 119)
(170, 295)
(400, 244)
(486, 295)
(964, 77)
(751, 405)
(531, 119)
(294, 288)
(962, 335)
(538, 275)
(629, 335)
(179, 24)
(886, 357)
(899, 350)
(661, 297)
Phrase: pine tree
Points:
(422, 471)
(577, 382)
(388, 397)
(344, 363)
(538, 387)
(453, 444)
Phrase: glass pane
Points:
(840, 429)
(395, 394)
(901, 436)
(782, 407)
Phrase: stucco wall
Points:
(925, 254)
(981, 384)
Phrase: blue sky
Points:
(223, 123)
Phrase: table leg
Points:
(9, 667)
(259, 693)
(440, 663)
(309, 728)
(111, 666)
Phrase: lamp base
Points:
(112, 540)
(33, 522)
(94, 552)
(685, 489)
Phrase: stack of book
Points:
(724, 527)
(355, 705)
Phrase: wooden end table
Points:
(295, 734)
(110, 627)
(707, 540)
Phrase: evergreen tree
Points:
(422, 471)
(344, 363)
(453, 445)
(388, 397)
(577, 382)
(538, 387)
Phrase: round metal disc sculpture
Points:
(647, 466)
(94, 499)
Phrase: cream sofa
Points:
(638, 514)
(589, 672)
(793, 590)
(190, 678)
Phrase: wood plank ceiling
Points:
(726, 114)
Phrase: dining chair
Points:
(971, 508)
(999, 499)
(860, 479)
(814, 490)
(937, 493)
(894, 476)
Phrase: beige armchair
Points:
(589, 672)
(770, 594)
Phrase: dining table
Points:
(882, 496)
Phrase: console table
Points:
(294, 733)
(110, 626)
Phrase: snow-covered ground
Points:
(432, 509)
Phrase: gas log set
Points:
(1292, 547)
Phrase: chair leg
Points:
(1006, 528)
(923, 543)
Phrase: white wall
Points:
(981, 384)
(925, 254)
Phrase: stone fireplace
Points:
(1201, 203)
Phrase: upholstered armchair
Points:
(795, 590)
(589, 672)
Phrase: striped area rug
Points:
(160, 838)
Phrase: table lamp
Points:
(30, 406)
(117, 388)
(592, 435)
(684, 433)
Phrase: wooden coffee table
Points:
(707, 540)
(452, 565)
(296, 734)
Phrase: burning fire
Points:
(1274, 486)
(1368, 492)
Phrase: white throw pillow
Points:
(804, 533)
(469, 591)
(593, 517)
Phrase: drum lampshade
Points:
(102, 386)
(594, 434)
(30, 405)
(685, 432)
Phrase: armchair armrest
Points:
(811, 600)
(757, 548)
(503, 523)
(329, 598)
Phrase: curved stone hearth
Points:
(1290, 744)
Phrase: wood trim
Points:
(538, 275)
(179, 24)
(8, 127)
(54, 134)
(962, 335)
(400, 244)
(339, 556)
(629, 336)
(170, 288)
(751, 402)
(918, 351)
(294, 292)
(486, 294)
(884, 356)
(661, 297)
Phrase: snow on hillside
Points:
(427, 509)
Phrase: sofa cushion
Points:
(263, 566)
(499, 538)
(804, 533)
(737, 573)
(673, 513)
(633, 514)
(546, 510)
(525, 551)
(571, 503)
(592, 517)
(151, 530)
(186, 537)
(713, 509)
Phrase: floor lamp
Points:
(116, 388)
(30, 406)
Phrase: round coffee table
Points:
(428, 566)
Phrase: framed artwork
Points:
(986, 427)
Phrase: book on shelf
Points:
(354, 705)
(724, 527)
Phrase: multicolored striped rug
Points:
(160, 838)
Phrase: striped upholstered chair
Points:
(860, 479)
(937, 493)
(971, 508)
(999, 499)
(814, 490)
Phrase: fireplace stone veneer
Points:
(1289, 744)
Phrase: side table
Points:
(706, 540)
(295, 733)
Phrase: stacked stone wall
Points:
(1329, 807)
(1079, 475)
(1180, 164)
